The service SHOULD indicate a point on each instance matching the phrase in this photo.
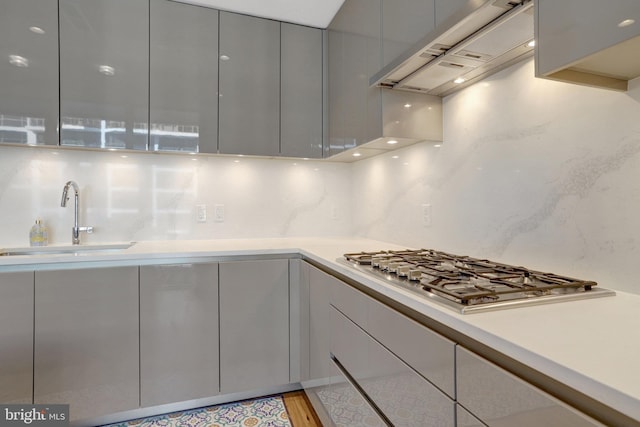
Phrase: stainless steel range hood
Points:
(482, 38)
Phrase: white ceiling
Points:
(315, 13)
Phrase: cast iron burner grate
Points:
(469, 281)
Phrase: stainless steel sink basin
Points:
(72, 249)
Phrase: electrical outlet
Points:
(426, 215)
(218, 213)
(201, 213)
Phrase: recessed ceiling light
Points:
(395, 157)
(438, 145)
(224, 58)
(18, 61)
(459, 80)
(532, 43)
(236, 161)
(407, 105)
(107, 70)
(357, 154)
(626, 23)
(124, 157)
(392, 142)
(36, 30)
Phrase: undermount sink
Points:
(72, 249)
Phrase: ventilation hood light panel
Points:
(481, 39)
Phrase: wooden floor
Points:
(300, 411)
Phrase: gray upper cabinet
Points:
(301, 92)
(404, 22)
(354, 56)
(254, 325)
(104, 73)
(16, 337)
(183, 107)
(445, 9)
(29, 72)
(589, 42)
(249, 104)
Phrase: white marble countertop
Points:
(589, 345)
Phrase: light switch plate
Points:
(201, 213)
(218, 213)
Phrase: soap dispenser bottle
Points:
(38, 236)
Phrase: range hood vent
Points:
(483, 38)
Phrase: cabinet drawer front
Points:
(403, 396)
(427, 352)
(351, 302)
(346, 406)
(465, 419)
(499, 398)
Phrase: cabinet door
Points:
(254, 325)
(301, 92)
(86, 340)
(319, 360)
(445, 9)
(355, 114)
(178, 333)
(104, 73)
(569, 31)
(404, 22)
(29, 72)
(249, 109)
(16, 337)
(183, 98)
(498, 398)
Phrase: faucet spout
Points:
(75, 230)
(65, 190)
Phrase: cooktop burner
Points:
(471, 284)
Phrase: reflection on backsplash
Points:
(531, 172)
(136, 196)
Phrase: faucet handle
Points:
(88, 230)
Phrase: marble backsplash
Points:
(531, 172)
(135, 196)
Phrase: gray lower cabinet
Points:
(399, 392)
(16, 337)
(29, 72)
(86, 340)
(178, 333)
(317, 372)
(465, 419)
(408, 376)
(249, 85)
(104, 73)
(499, 399)
(254, 324)
(183, 97)
(301, 91)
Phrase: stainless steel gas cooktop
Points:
(470, 284)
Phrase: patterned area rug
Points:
(264, 412)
